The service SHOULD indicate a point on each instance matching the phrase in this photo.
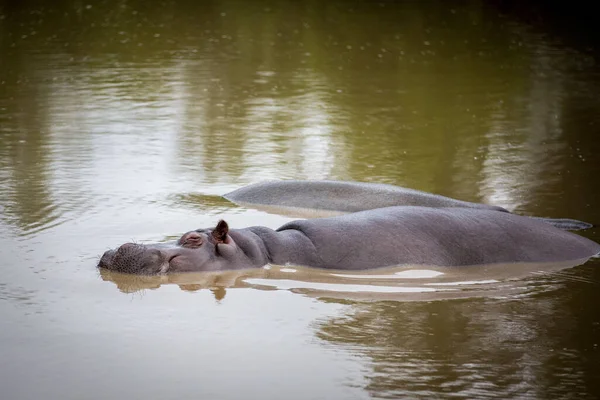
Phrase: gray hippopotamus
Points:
(302, 198)
(363, 240)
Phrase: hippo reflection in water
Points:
(403, 235)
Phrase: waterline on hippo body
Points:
(406, 283)
(363, 240)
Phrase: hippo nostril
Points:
(127, 246)
(106, 259)
(129, 249)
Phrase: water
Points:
(123, 120)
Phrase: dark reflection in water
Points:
(454, 100)
(125, 120)
(475, 349)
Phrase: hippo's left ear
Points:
(220, 232)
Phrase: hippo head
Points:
(199, 250)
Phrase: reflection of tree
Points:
(525, 139)
(581, 127)
(24, 193)
(434, 63)
(398, 93)
(466, 349)
(267, 111)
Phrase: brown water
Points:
(124, 120)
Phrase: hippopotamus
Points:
(389, 236)
(305, 197)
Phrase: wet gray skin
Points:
(363, 240)
(346, 196)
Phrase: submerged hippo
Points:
(362, 240)
(303, 197)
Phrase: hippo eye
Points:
(191, 240)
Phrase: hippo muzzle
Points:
(135, 258)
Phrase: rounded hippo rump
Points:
(305, 197)
(363, 240)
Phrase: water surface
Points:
(126, 120)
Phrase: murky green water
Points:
(124, 120)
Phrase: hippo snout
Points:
(133, 258)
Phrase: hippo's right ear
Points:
(220, 232)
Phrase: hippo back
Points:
(436, 236)
(341, 196)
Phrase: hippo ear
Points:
(220, 232)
